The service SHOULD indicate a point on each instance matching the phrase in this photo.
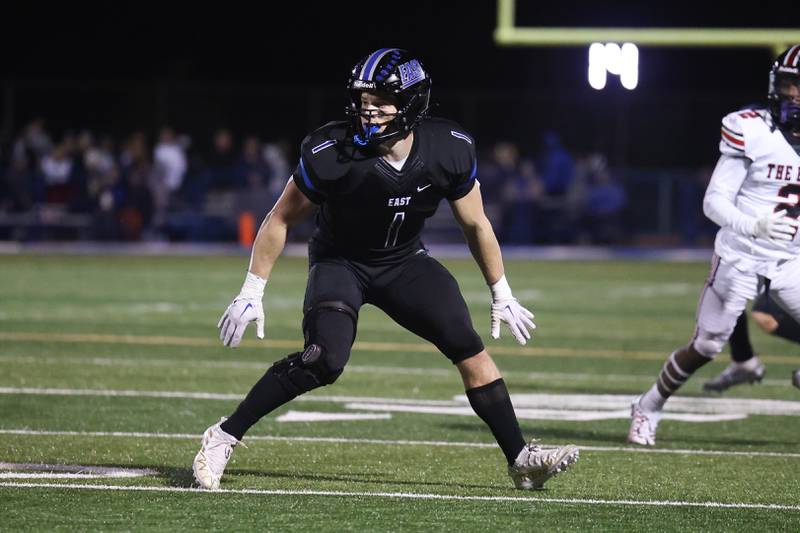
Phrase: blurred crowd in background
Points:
(168, 186)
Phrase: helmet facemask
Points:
(784, 91)
(785, 108)
(375, 124)
(395, 76)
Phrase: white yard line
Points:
(385, 442)
(61, 475)
(86, 469)
(542, 414)
(357, 369)
(677, 404)
(414, 496)
(734, 407)
(55, 471)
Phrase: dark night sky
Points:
(314, 44)
(317, 42)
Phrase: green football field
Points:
(110, 370)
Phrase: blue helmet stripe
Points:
(306, 179)
(372, 63)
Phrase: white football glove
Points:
(506, 308)
(776, 227)
(245, 308)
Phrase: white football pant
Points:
(726, 294)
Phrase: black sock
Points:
(265, 396)
(493, 405)
(741, 349)
(787, 328)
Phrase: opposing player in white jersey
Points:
(753, 196)
(745, 365)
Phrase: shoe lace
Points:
(218, 451)
(536, 456)
(642, 422)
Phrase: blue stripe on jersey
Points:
(306, 179)
(469, 181)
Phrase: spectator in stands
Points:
(276, 156)
(35, 141)
(222, 162)
(136, 201)
(555, 164)
(104, 188)
(604, 205)
(499, 168)
(556, 169)
(20, 180)
(254, 199)
(522, 191)
(252, 169)
(78, 146)
(56, 169)
(166, 177)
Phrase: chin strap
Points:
(367, 134)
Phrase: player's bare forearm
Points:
(479, 234)
(485, 249)
(291, 208)
(268, 245)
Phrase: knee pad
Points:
(311, 313)
(303, 371)
(709, 344)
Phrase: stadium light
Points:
(610, 58)
(597, 66)
(629, 75)
(613, 57)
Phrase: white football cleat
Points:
(533, 466)
(751, 371)
(643, 425)
(215, 451)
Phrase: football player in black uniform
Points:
(375, 179)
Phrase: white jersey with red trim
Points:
(758, 167)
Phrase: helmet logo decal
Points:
(410, 73)
(368, 71)
(361, 84)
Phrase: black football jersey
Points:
(368, 209)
